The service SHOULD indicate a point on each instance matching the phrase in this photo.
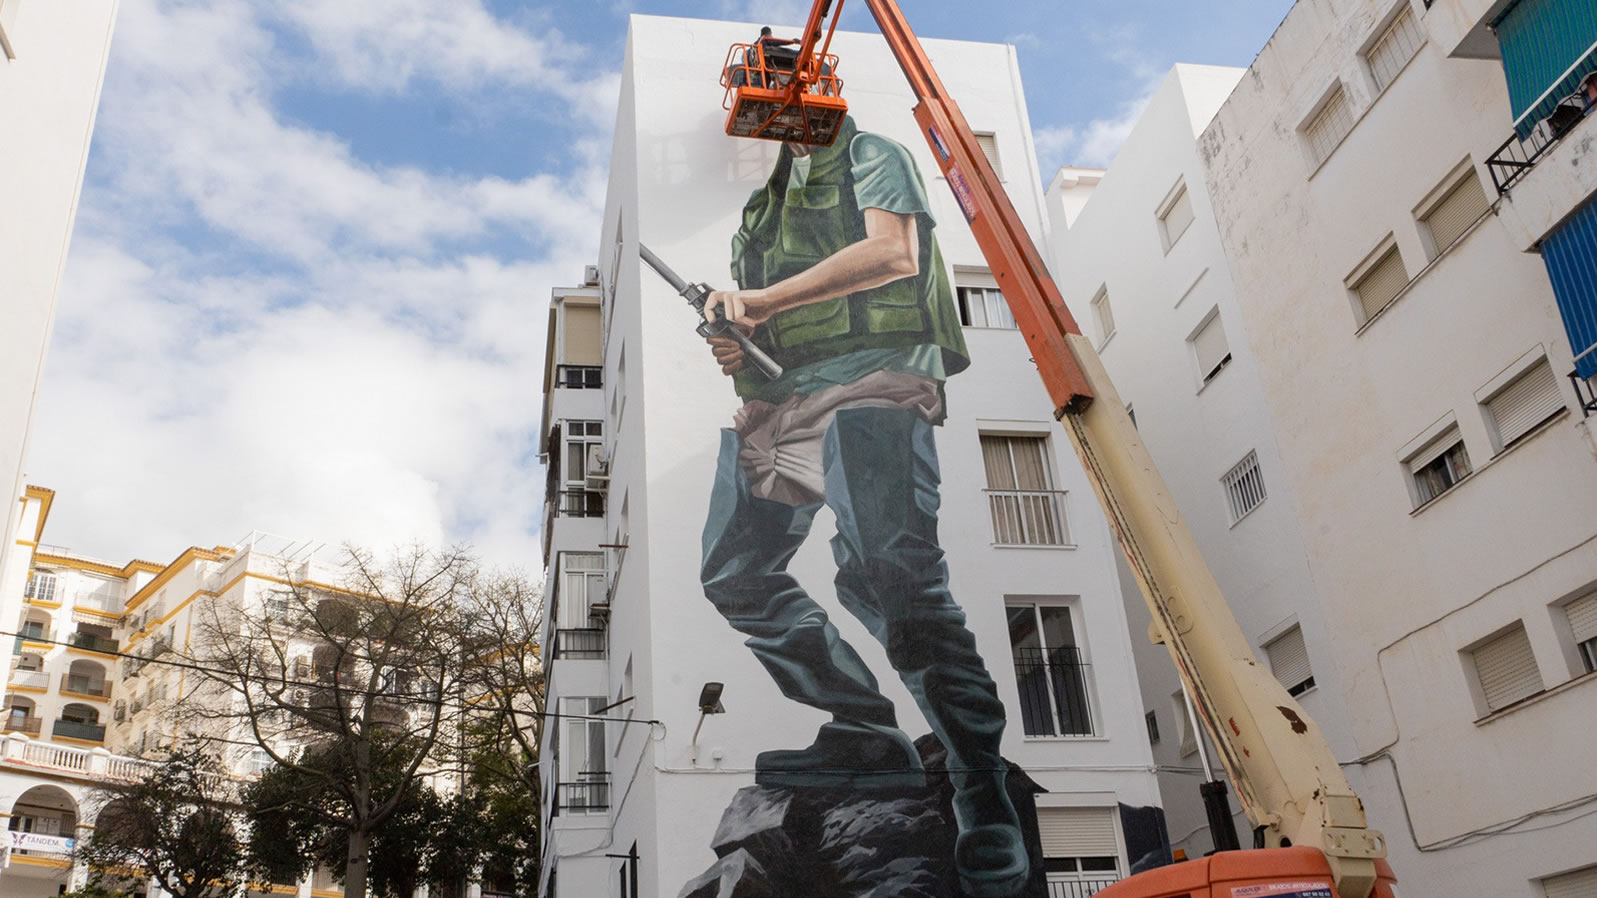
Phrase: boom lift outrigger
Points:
(1309, 824)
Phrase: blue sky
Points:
(307, 289)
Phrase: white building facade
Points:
(1389, 393)
(638, 782)
(52, 62)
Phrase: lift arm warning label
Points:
(1308, 889)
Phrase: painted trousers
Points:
(879, 476)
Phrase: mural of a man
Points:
(842, 283)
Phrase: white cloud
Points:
(259, 329)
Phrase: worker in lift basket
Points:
(842, 283)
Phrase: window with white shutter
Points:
(1380, 283)
(1438, 467)
(1210, 348)
(989, 147)
(1329, 125)
(1394, 48)
(1079, 846)
(1582, 614)
(1104, 315)
(1506, 668)
(581, 338)
(1244, 487)
(981, 303)
(1580, 883)
(1527, 401)
(1456, 211)
(1289, 661)
(1176, 217)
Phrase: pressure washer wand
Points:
(696, 294)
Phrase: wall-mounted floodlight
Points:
(709, 703)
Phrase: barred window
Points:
(1244, 487)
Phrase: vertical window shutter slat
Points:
(1289, 658)
(1178, 217)
(1457, 211)
(1434, 449)
(1394, 49)
(1334, 120)
(989, 148)
(1528, 401)
(1210, 346)
(1583, 617)
(582, 336)
(1381, 283)
(1077, 832)
(1575, 884)
(1104, 314)
(1507, 669)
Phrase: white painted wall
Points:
(49, 90)
(1407, 592)
(677, 180)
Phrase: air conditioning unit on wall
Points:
(590, 276)
(598, 466)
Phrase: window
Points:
(259, 761)
(1380, 283)
(1026, 509)
(1519, 408)
(1439, 466)
(1103, 315)
(1289, 661)
(584, 781)
(1049, 670)
(579, 436)
(1506, 668)
(980, 302)
(1582, 614)
(1244, 487)
(582, 583)
(1152, 720)
(1079, 847)
(275, 605)
(1580, 883)
(1175, 216)
(41, 586)
(1328, 125)
(1394, 48)
(1453, 214)
(1210, 348)
(989, 148)
(580, 344)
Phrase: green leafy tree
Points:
(177, 824)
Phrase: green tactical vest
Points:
(784, 232)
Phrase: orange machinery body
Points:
(769, 99)
(1298, 872)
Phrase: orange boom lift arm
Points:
(1310, 825)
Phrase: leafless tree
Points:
(503, 676)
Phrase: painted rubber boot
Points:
(990, 852)
(845, 755)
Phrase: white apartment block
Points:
(52, 62)
(637, 779)
(1387, 396)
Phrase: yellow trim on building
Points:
(97, 567)
(92, 698)
(40, 861)
(84, 650)
(76, 741)
(46, 497)
(109, 615)
(40, 690)
(189, 555)
(41, 603)
(38, 646)
(27, 543)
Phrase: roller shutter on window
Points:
(989, 148)
(1507, 669)
(582, 340)
(1177, 218)
(1532, 398)
(1077, 832)
(1457, 211)
(1381, 283)
(1576, 884)
(1289, 659)
(1211, 348)
(1583, 618)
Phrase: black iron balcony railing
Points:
(591, 794)
(586, 642)
(73, 729)
(580, 504)
(1518, 155)
(93, 643)
(1053, 692)
(1078, 888)
(1586, 392)
(579, 377)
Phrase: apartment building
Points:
(1332, 321)
(52, 62)
(669, 720)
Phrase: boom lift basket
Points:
(771, 97)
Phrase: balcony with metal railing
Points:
(18, 723)
(86, 687)
(586, 643)
(77, 729)
(579, 377)
(579, 503)
(1028, 517)
(30, 679)
(589, 795)
(1078, 888)
(1521, 153)
(94, 643)
(1054, 694)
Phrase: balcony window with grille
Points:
(1392, 50)
(1582, 616)
(1050, 671)
(41, 587)
(1506, 668)
(1459, 208)
(1516, 410)
(1103, 315)
(1209, 347)
(1175, 216)
(1289, 661)
(1025, 508)
(1328, 125)
(584, 786)
(980, 302)
(1380, 283)
(1438, 467)
(1080, 852)
(1244, 487)
(989, 148)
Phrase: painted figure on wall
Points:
(842, 283)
